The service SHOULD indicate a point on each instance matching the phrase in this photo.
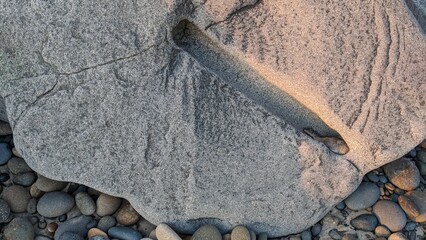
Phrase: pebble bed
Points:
(389, 204)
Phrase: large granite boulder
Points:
(194, 110)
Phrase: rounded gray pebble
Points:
(98, 238)
(410, 226)
(107, 205)
(5, 153)
(24, 179)
(18, 165)
(372, 177)
(85, 203)
(48, 185)
(240, 233)
(19, 228)
(70, 236)
(383, 179)
(108, 222)
(4, 211)
(341, 205)
(207, 232)
(316, 229)
(17, 198)
(54, 204)
(124, 233)
(334, 234)
(390, 214)
(306, 235)
(145, 227)
(365, 222)
(363, 197)
(32, 206)
(79, 225)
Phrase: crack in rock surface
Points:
(202, 122)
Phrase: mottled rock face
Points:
(194, 111)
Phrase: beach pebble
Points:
(35, 192)
(382, 231)
(341, 205)
(4, 211)
(397, 236)
(107, 222)
(127, 215)
(334, 234)
(24, 179)
(153, 235)
(16, 153)
(49, 185)
(226, 236)
(54, 204)
(18, 165)
(5, 128)
(17, 197)
(403, 173)
(96, 232)
(51, 227)
(306, 235)
(410, 226)
(421, 156)
(363, 197)
(5, 153)
(70, 236)
(85, 203)
(145, 227)
(79, 225)
(164, 232)
(316, 229)
(414, 205)
(240, 233)
(125, 233)
(32, 206)
(390, 215)
(99, 238)
(365, 222)
(19, 228)
(207, 232)
(263, 236)
(107, 205)
(372, 177)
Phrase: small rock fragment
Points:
(414, 205)
(96, 232)
(5, 153)
(19, 228)
(145, 227)
(18, 165)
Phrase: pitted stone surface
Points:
(201, 121)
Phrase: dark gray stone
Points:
(18, 165)
(106, 223)
(24, 179)
(17, 197)
(365, 222)
(78, 225)
(390, 215)
(124, 233)
(54, 204)
(364, 196)
(19, 228)
(5, 153)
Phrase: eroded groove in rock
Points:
(208, 53)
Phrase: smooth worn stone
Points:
(35, 192)
(16, 153)
(383, 179)
(414, 205)
(99, 238)
(240, 233)
(4, 211)
(54, 204)
(85, 203)
(364, 222)
(382, 231)
(390, 215)
(142, 103)
(51, 227)
(74, 212)
(70, 236)
(421, 155)
(19, 228)
(5, 128)
(164, 232)
(125, 233)
(410, 226)
(364, 196)
(341, 205)
(24, 179)
(207, 232)
(153, 234)
(96, 232)
(403, 173)
(262, 236)
(17, 197)
(108, 222)
(145, 227)
(349, 236)
(78, 225)
(18, 165)
(372, 177)
(5, 153)
(32, 206)
(334, 234)
(306, 235)
(397, 236)
(126, 215)
(49, 185)
(107, 205)
(316, 229)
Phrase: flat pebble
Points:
(5, 128)
(127, 215)
(207, 232)
(24, 179)
(85, 203)
(4, 211)
(403, 173)
(70, 236)
(54, 204)
(107, 205)
(96, 232)
(125, 233)
(17, 197)
(421, 155)
(32, 206)
(145, 227)
(19, 228)
(390, 215)
(107, 222)
(164, 232)
(79, 225)
(397, 236)
(414, 205)
(49, 185)
(18, 165)
(382, 231)
(5, 153)
(240, 233)
(363, 197)
(365, 222)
